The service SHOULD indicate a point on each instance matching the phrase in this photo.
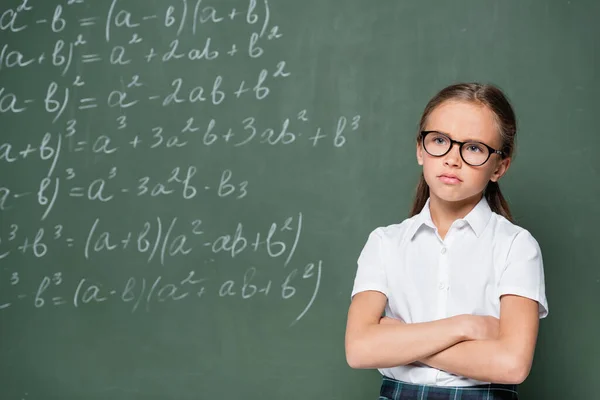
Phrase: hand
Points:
(481, 327)
(390, 321)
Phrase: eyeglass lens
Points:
(473, 153)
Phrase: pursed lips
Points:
(449, 178)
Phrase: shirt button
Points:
(442, 286)
(443, 250)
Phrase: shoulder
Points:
(393, 233)
(513, 235)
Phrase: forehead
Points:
(464, 121)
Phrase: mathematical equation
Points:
(179, 183)
(192, 134)
(66, 53)
(160, 136)
(157, 239)
(17, 19)
(141, 293)
(57, 98)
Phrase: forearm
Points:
(484, 360)
(385, 346)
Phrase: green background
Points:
(379, 60)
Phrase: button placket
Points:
(442, 282)
(443, 274)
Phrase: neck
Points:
(444, 213)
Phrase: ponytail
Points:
(421, 196)
(496, 200)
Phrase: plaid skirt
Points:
(392, 389)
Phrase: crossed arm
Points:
(465, 345)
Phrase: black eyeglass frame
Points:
(460, 147)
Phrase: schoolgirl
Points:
(460, 285)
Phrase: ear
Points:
(419, 153)
(501, 169)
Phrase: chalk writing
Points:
(149, 150)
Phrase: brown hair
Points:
(491, 97)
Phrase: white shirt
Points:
(425, 278)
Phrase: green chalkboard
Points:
(185, 185)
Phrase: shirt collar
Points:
(477, 218)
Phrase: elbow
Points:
(516, 370)
(356, 356)
(519, 374)
(353, 361)
(353, 356)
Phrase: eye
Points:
(474, 148)
(439, 140)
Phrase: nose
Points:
(452, 158)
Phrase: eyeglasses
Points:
(439, 144)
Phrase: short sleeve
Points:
(370, 274)
(524, 272)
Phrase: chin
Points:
(453, 195)
(450, 199)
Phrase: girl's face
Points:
(465, 122)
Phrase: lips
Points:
(449, 178)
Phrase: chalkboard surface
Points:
(186, 185)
